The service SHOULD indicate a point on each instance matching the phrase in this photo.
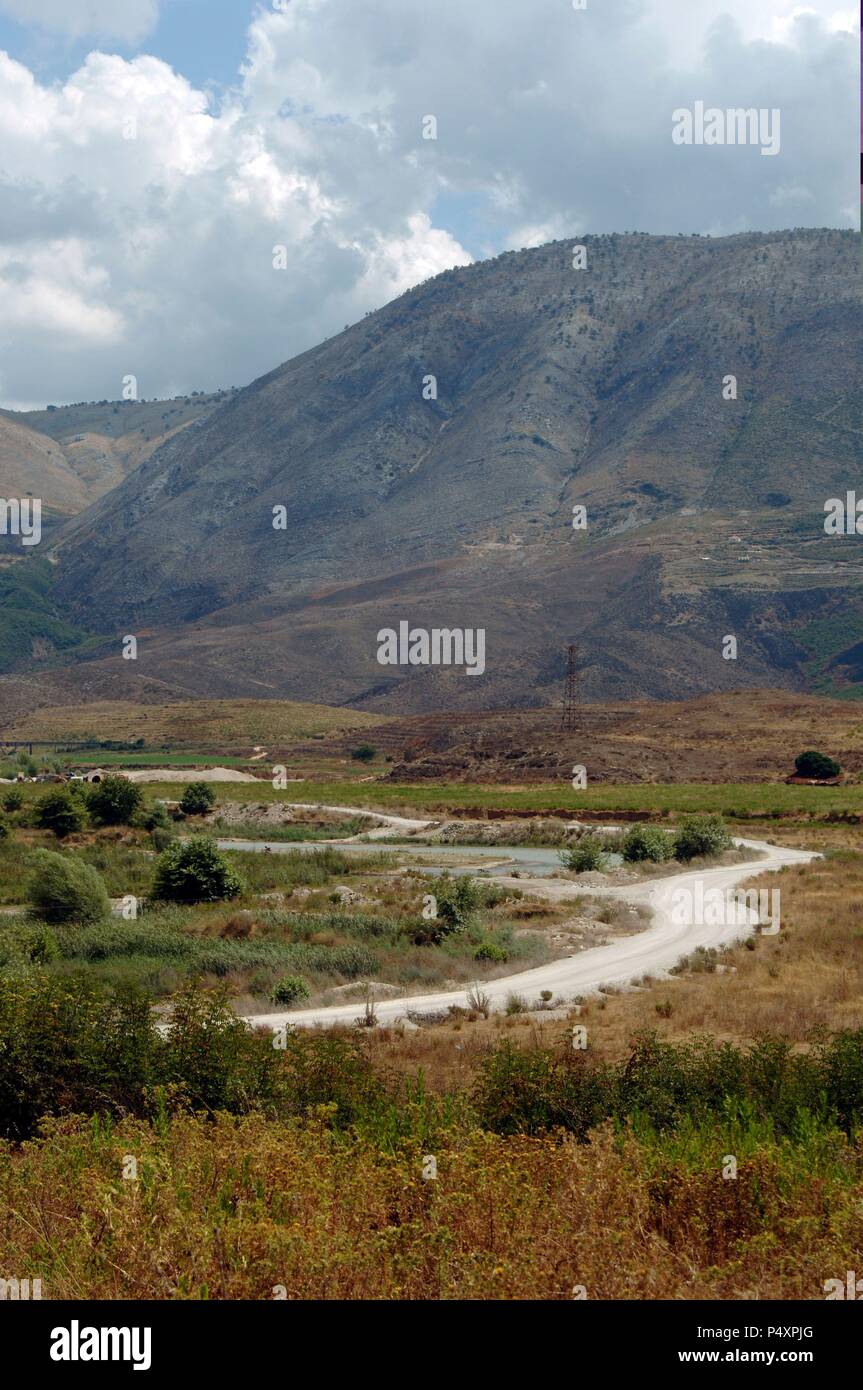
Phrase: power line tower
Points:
(571, 692)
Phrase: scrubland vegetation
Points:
(475, 1157)
(554, 1175)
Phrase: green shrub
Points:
(114, 800)
(162, 837)
(363, 754)
(4, 829)
(646, 842)
(24, 941)
(62, 888)
(290, 989)
(197, 799)
(61, 812)
(701, 837)
(13, 800)
(587, 853)
(812, 764)
(152, 817)
(457, 900)
(194, 871)
(489, 950)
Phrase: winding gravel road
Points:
(621, 962)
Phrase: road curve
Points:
(650, 952)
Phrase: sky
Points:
(154, 153)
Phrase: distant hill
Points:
(233, 725)
(556, 388)
(70, 455)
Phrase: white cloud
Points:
(129, 20)
(155, 254)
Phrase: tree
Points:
(62, 888)
(364, 753)
(61, 812)
(816, 765)
(197, 799)
(290, 989)
(701, 837)
(588, 853)
(193, 871)
(646, 842)
(13, 800)
(114, 800)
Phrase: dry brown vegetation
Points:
(252, 1209)
(745, 736)
(805, 980)
(215, 724)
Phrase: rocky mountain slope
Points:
(70, 455)
(556, 388)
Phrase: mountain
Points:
(33, 464)
(557, 387)
(70, 455)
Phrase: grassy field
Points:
(321, 916)
(738, 802)
(97, 757)
(558, 1173)
(197, 724)
(254, 1209)
(801, 984)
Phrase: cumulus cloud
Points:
(142, 222)
(129, 20)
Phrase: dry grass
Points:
(192, 723)
(250, 1209)
(808, 978)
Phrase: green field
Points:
(736, 800)
(95, 757)
(740, 801)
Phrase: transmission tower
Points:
(571, 691)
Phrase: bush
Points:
(645, 842)
(193, 871)
(162, 836)
(701, 836)
(59, 811)
(457, 900)
(197, 799)
(62, 888)
(290, 989)
(812, 764)
(588, 853)
(4, 829)
(489, 950)
(152, 817)
(13, 801)
(364, 753)
(114, 801)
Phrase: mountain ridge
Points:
(556, 388)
